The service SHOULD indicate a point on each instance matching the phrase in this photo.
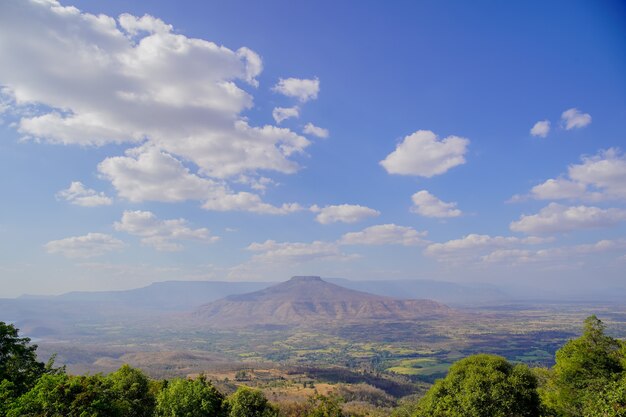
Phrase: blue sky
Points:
(145, 141)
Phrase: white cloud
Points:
(598, 177)
(550, 256)
(80, 195)
(134, 25)
(271, 251)
(541, 128)
(558, 218)
(148, 174)
(428, 205)
(385, 234)
(92, 80)
(557, 189)
(244, 201)
(281, 114)
(302, 89)
(605, 171)
(423, 154)
(473, 246)
(163, 235)
(345, 213)
(87, 246)
(575, 119)
(311, 129)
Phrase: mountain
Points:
(310, 300)
(160, 296)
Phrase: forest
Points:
(588, 379)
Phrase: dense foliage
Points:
(18, 360)
(588, 379)
(190, 398)
(589, 376)
(483, 386)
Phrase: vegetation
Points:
(183, 397)
(588, 379)
(483, 386)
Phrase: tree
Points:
(18, 360)
(483, 386)
(132, 389)
(190, 398)
(584, 368)
(323, 406)
(248, 402)
(609, 402)
(68, 396)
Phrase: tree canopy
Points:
(190, 398)
(248, 402)
(588, 374)
(483, 386)
(18, 360)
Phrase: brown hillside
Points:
(311, 300)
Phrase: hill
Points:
(310, 300)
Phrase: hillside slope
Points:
(311, 300)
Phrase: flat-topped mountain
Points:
(311, 300)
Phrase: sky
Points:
(252, 141)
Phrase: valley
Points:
(89, 337)
(299, 338)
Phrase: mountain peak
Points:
(305, 300)
(306, 278)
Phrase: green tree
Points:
(18, 360)
(609, 402)
(190, 398)
(248, 402)
(584, 368)
(68, 396)
(133, 392)
(7, 396)
(483, 386)
(323, 406)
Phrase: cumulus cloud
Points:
(302, 89)
(345, 213)
(558, 218)
(271, 251)
(424, 154)
(385, 234)
(541, 129)
(148, 174)
(426, 204)
(244, 201)
(575, 119)
(87, 246)
(280, 114)
(311, 129)
(162, 235)
(473, 246)
(605, 171)
(550, 256)
(598, 177)
(93, 80)
(558, 189)
(80, 195)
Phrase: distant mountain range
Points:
(44, 316)
(311, 300)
